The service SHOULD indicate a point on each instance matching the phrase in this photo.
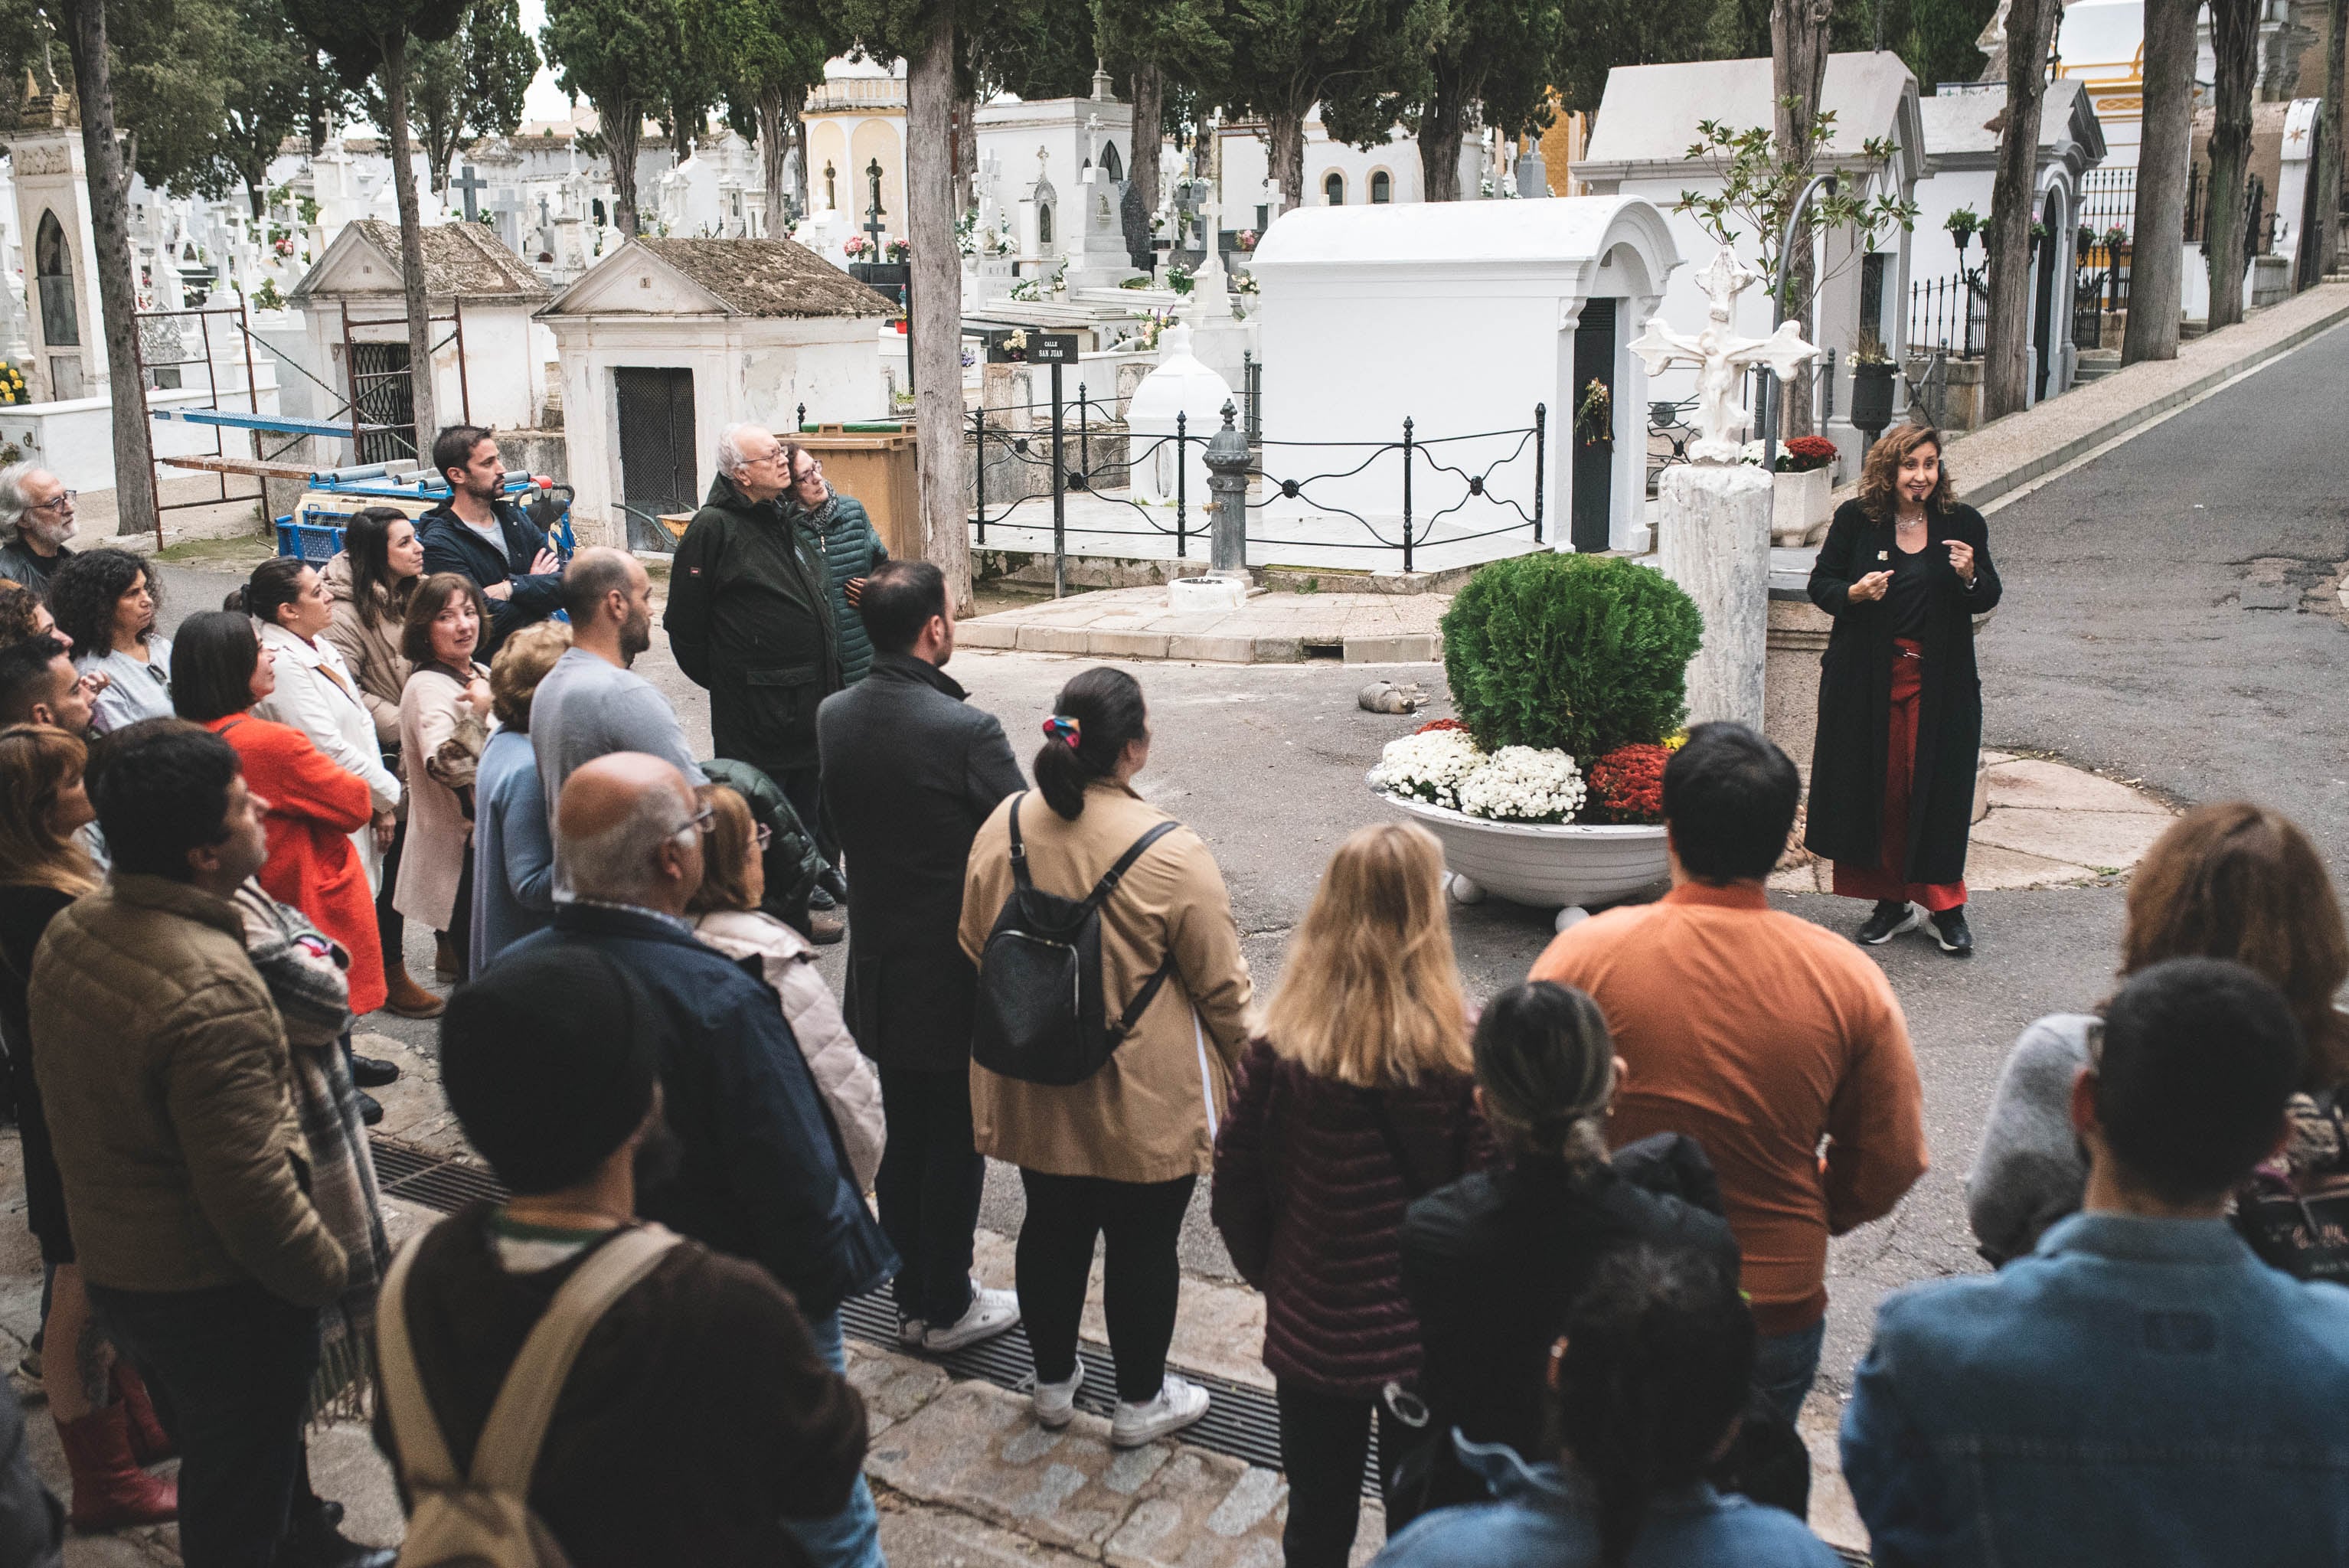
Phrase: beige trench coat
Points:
(1145, 1116)
(440, 741)
(371, 654)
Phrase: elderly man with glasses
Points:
(37, 512)
(761, 1172)
(751, 616)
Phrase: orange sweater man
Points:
(1775, 1043)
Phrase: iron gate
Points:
(656, 419)
(385, 401)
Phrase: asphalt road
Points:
(2132, 639)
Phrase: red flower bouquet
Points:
(1626, 785)
(1804, 453)
(1436, 724)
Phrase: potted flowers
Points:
(1804, 490)
(1871, 386)
(1567, 671)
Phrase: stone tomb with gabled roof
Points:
(665, 343)
(469, 274)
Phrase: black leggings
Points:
(1140, 1279)
(390, 927)
(1324, 1443)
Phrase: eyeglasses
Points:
(699, 823)
(813, 471)
(63, 498)
(763, 836)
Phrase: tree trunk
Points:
(412, 245)
(2328, 150)
(2156, 257)
(254, 198)
(2235, 44)
(966, 151)
(1147, 86)
(937, 305)
(1284, 130)
(2006, 377)
(802, 186)
(314, 117)
(622, 131)
(1439, 138)
(770, 154)
(1799, 65)
(117, 293)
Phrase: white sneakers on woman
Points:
(990, 1313)
(1179, 1403)
(1056, 1403)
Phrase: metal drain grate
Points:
(1241, 1421)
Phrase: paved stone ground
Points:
(2172, 621)
(1275, 628)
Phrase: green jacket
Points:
(750, 616)
(793, 862)
(852, 549)
(164, 1080)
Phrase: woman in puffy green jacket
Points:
(851, 547)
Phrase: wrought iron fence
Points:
(1670, 431)
(2108, 200)
(2100, 290)
(1951, 313)
(1036, 453)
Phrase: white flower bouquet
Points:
(1523, 784)
(1428, 767)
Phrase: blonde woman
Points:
(1357, 1099)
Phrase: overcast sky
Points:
(545, 99)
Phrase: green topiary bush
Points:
(1583, 653)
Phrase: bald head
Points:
(609, 598)
(622, 833)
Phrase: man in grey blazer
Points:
(910, 771)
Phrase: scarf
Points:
(303, 972)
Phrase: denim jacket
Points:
(2136, 1391)
(1546, 1516)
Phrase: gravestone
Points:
(1136, 215)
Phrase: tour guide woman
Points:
(1904, 571)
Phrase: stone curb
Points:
(1981, 491)
(1193, 647)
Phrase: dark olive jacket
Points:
(852, 549)
(750, 617)
(1847, 803)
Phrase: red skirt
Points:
(1883, 883)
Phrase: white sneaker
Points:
(990, 1313)
(911, 1332)
(1180, 1402)
(1056, 1403)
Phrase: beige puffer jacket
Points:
(846, 1080)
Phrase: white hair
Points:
(13, 502)
(618, 864)
(730, 460)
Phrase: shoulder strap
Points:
(507, 1455)
(1116, 873)
(423, 1453)
(1019, 848)
(1376, 1103)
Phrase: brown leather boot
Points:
(149, 1443)
(406, 997)
(109, 1491)
(445, 962)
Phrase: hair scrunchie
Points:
(1061, 727)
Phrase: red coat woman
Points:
(314, 805)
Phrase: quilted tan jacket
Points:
(163, 1074)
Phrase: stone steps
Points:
(2094, 365)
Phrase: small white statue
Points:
(1721, 358)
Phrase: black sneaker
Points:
(1950, 930)
(370, 1108)
(1891, 919)
(819, 897)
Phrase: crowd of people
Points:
(1561, 1252)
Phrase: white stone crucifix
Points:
(1722, 357)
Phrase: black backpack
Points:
(1042, 1015)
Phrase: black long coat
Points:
(1855, 696)
(910, 772)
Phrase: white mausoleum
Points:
(1462, 317)
(665, 343)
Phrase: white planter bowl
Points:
(1566, 866)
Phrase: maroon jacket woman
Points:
(1357, 1100)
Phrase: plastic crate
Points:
(308, 542)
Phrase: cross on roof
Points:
(471, 184)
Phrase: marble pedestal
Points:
(1712, 538)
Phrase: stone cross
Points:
(830, 187)
(471, 184)
(872, 214)
(1722, 357)
(1092, 140)
(1272, 200)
